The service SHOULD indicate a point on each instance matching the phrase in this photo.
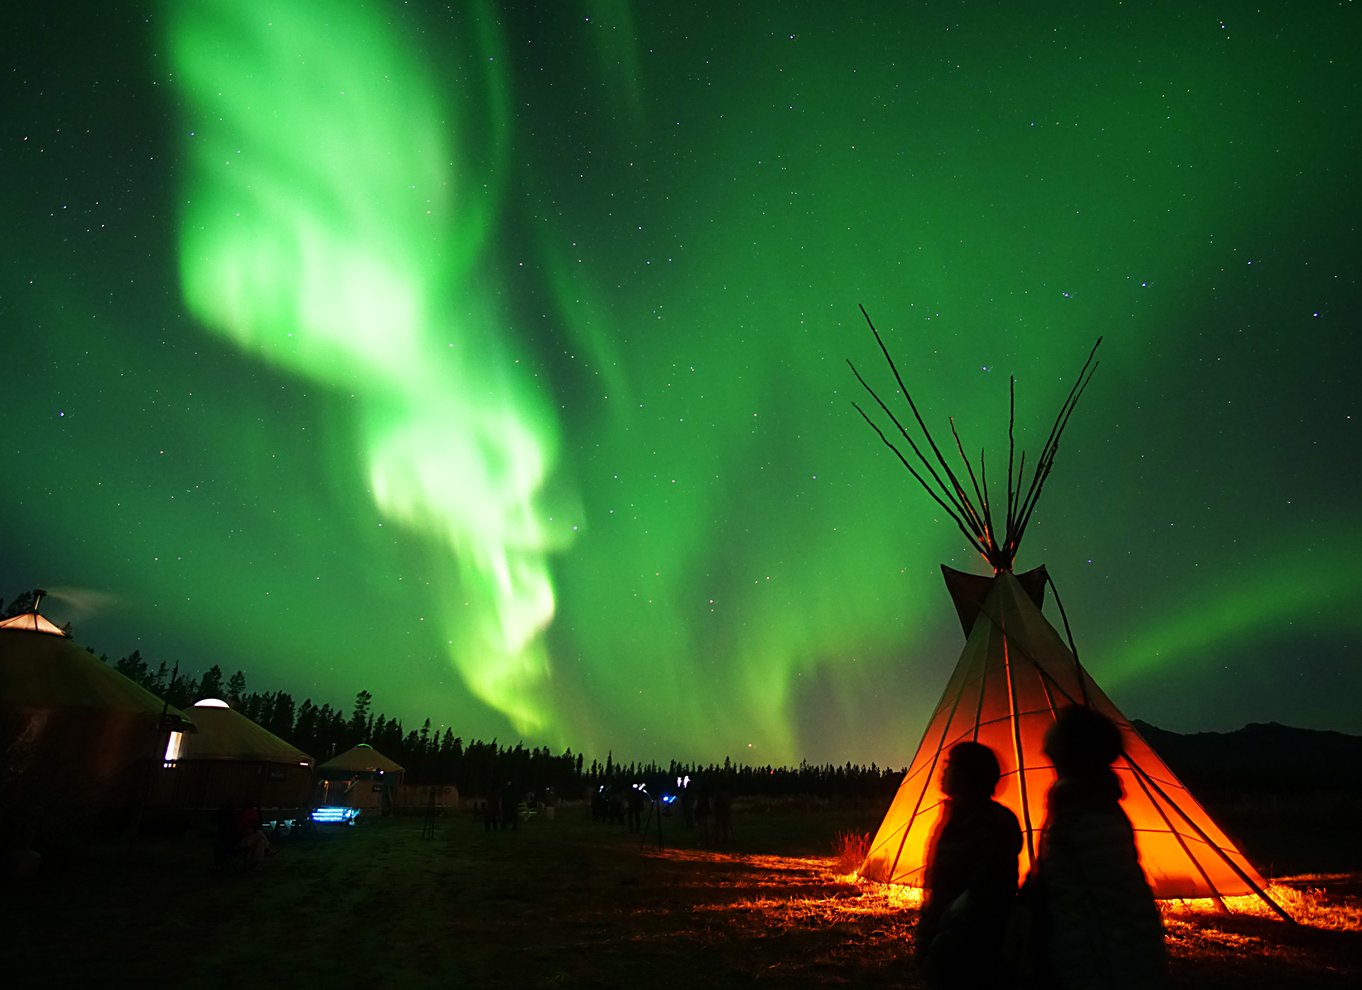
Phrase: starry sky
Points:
(493, 357)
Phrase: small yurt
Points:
(362, 778)
(232, 759)
(78, 740)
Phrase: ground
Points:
(406, 902)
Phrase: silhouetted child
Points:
(971, 878)
(1101, 927)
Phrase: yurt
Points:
(362, 778)
(78, 740)
(231, 759)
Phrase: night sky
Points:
(495, 360)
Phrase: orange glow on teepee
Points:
(1015, 673)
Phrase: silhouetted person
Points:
(250, 839)
(635, 808)
(702, 809)
(491, 810)
(510, 808)
(1101, 928)
(971, 878)
(619, 806)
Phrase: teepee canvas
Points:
(1015, 673)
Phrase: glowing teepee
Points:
(1015, 673)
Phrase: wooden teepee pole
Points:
(971, 509)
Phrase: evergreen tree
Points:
(236, 689)
(305, 728)
(134, 668)
(21, 604)
(210, 686)
(280, 721)
(325, 746)
(182, 690)
(359, 721)
(250, 705)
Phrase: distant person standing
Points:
(702, 809)
(250, 839)
(971, 878)
(636, 797)
(491, 809)
(510, 807)
(1100, 927)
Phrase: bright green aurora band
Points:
(491, 358)
(326, 231)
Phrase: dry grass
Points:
(561, 904)
(849, 851)
(1322, 901)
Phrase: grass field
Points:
(565, 903)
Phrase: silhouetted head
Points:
(1082, 741)
(971, 771)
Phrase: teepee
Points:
(1015, 673)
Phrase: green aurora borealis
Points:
(493, 359)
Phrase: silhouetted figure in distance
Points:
(702, 810)
(491, 809)
(250, 839)
(510, 808)
(635, 808)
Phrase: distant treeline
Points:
(432, 756)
